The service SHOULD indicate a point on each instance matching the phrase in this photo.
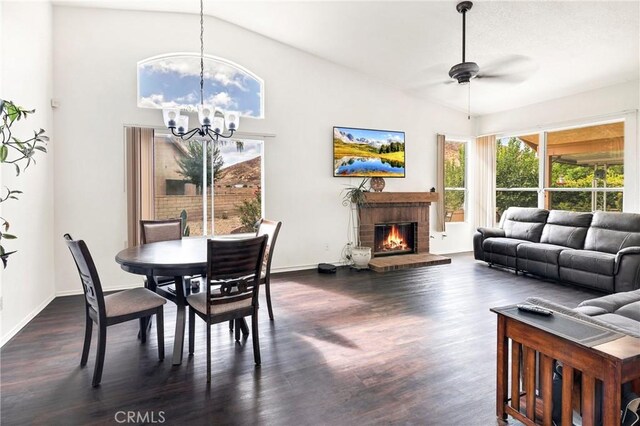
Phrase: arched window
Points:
(173, 80)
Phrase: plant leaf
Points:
(13, 112)
(4, 151)
(9, 236)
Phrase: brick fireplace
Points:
(383, 210)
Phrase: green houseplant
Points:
(18, 154)
(353, 197)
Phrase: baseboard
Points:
(25, 321)
(128, 286)
(302, 267)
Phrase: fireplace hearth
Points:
(394, 238)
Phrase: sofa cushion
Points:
(540, 252)
(588, 260)
(613, 302)
(506, 246)
(620, 321)
(566, 228)
(611, 232)
(632, 310)
(524, 223)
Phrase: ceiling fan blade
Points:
(510, 64)
(502, 78)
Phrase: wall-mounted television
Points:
(368, 153)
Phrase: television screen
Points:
(367, 153)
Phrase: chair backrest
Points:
(233, 268)
(271, 229)
(153, 231)
(88, 274)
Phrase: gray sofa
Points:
(619, 312)
(598, 250)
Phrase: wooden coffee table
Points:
(597, 352)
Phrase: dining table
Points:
(179, 259)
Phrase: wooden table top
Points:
(187, 256)
(610, 343)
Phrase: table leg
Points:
(178, 340)
(612, 398)
(502, 369)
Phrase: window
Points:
(583, 169)
(455, 181)
(516, 172)
(181, 185)
(173, 80)
(586, 168)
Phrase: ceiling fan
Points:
(465, 71)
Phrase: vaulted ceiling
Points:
(548, 49)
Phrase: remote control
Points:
(534, 309)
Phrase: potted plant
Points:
(17, 154)
(353, 197)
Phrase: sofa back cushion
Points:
(567, 229)
(524, 223)
(611, 232)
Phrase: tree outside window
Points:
(516, 173)
(455, 162)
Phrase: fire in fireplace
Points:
(394, 238)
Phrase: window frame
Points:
(465, 189)
(208, 201)
(221, 60)
(542, 132)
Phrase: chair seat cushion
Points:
(500, 245)
(130, 301)
(198, 302)
(541, 252)
(587, 260)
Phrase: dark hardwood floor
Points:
(405, 347)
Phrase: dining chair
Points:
(271, 229)
(127, 305)
(154, 231)
(231, 289)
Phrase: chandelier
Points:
(212, 120)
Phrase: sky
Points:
(374, 135)
(175, 81)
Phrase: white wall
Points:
(95, 54)
(619, 101)
(27, 283)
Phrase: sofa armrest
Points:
(627, 269)
(479, 237)
(491, 232)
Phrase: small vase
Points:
(377, 184)
(361, 257)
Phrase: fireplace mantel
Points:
(401, 197)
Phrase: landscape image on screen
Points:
(367, 153)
